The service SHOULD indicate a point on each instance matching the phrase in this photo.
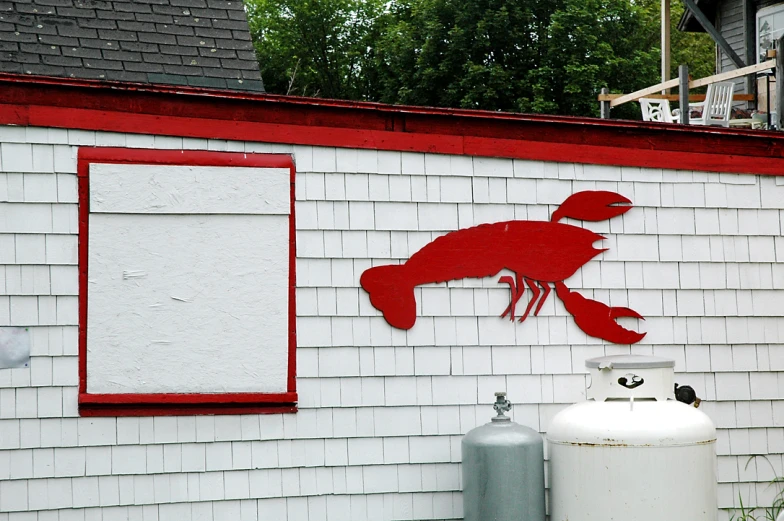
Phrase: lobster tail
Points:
(597, 319)
(391, 293)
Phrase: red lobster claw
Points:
(597, 319)
(591, 205)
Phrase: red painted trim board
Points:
(178, 410)
(190, 398)
(304, 121)
(186, 403)
(415, 142)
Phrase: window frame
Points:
(172, 404)
(765, 11)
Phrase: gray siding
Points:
(730, 23)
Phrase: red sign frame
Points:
(187, 403)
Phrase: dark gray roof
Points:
(202, 43)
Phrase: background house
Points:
(749, 28)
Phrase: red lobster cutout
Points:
(538, 252)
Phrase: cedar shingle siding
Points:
(201, 43)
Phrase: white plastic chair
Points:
(716, 108)
(656, 110)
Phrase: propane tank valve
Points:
(687, 395)
(501, 406)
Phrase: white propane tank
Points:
(632, 452)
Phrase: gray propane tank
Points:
(503, 470)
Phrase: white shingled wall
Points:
(382, 411)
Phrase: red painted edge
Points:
(83, 169)
(177, 410)
(156, 404)
(146, 156)
(188, 398)
(126, 88)
(714, 160)
(200, 113)
(292, 384)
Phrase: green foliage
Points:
(696, 50)
(318, 48)
(463, 53)
(592, 44)
(544, 56)
(743, 513)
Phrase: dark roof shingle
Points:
(203, 43)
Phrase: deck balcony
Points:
(686, 108)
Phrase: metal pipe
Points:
(665, 42)
(779, 81)
(604, 106)
(683, 86)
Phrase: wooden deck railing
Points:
(651, 92)
(676, 97)
(608, 101)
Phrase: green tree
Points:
(319, 48)
(543, 56)
(462, 53)
(593, 44)
(697, 50)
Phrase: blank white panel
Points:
(187, 303)
(164, 189)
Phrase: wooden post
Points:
(750, 28)
(604, 106)
(665, 42)
(683, 88)
(779, 81)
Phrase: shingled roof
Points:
(201, 43)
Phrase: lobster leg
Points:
(546, 288)
(517, 289)
(513, 288)
(531, 302)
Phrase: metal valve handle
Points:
(631, 381)
(686, 394)
(501, 404)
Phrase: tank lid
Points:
(629, 362)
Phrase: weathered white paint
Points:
(121, 188)
(192, 302)
(209, 316)
(647, 484)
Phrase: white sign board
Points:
(188, 279)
